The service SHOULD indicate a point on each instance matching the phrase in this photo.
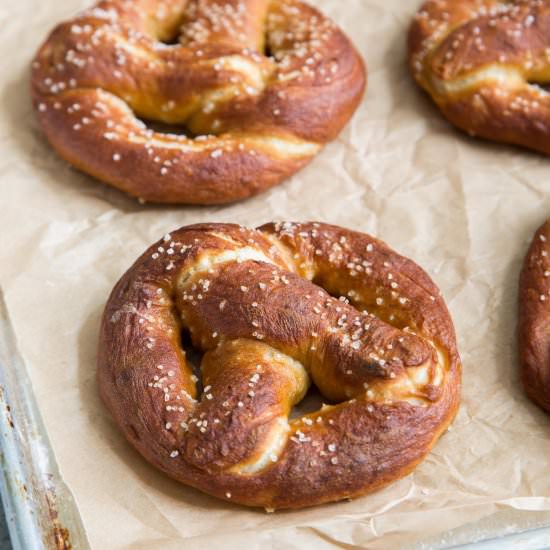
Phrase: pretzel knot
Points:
(262, 306)
(534, 312)
(259, 85)
(485, 64)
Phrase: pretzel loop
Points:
(486, 64)
(259, 85)
(274, 310)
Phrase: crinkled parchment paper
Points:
(461, 208)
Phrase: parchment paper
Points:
(462, 208)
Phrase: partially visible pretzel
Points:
(260, 85)
(262, 305)
(534, 319)
(485, 62)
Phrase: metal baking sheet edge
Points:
(40, 510)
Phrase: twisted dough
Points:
(534, 314)
(260, 85)
(261, 305)
(485, 64)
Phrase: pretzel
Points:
(263, 307)
(485, 64)
(534, 316)
(258, 85)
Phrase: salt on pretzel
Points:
(534, 319)
(262, 306)
(485, 64)
(260, 86)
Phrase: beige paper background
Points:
(461, 208)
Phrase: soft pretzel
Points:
(263, 307)
(485, 64)
(259, 85)
(534, 319)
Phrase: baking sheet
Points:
(40, 511)
(463, 209)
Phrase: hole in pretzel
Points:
(545, 86)
(170, 39)
(193, 355)
(267, 49)
(167, 30)
(311, 403)
(169, 129)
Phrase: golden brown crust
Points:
(534, 319)
(263, 306)
(484, 63)
(256, 119)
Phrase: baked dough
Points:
(274, 310)
(485, 63)
(258, 85)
